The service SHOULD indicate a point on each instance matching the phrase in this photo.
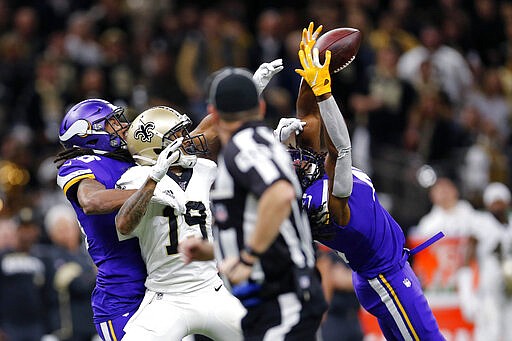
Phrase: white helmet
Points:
(155, 128)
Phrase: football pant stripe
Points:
(290, 308)
(400, 306)
(112, 331)
(104, 331)
(387, 299)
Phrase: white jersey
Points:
(163, 227)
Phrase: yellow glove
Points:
(309, 37)
(316, 74)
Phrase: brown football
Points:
(343, 43)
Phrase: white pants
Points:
(211, 311)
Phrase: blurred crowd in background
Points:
(428, 96)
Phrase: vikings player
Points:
(89, 167)
(344, 210)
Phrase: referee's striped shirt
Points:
(251, 162)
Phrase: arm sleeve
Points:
(338, 132)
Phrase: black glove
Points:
(321, 228)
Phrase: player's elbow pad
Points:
(343, 181)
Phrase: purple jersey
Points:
(121, 270)
(372, 242)
(373, 245)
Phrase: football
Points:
(343, 43)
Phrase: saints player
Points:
(180, 299)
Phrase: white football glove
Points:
(165, 197)
(265, 72)
(167, 157)
(288, 126)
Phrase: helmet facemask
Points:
(117, 122)
(308, 165)
(156, 128)
(192, 145)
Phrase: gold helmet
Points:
(155, 128)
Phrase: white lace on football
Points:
(344, 65)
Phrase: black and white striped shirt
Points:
(251, 162)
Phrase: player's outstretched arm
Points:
(208, 128)
(132, 211)
(94, 198)
(339, 157)
(286, 130)
(265, 72)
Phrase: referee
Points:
(264, 242)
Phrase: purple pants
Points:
(397, 300)
(112, 330)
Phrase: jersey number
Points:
(88, 158)
(195, 215)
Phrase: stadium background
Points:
(136, 53)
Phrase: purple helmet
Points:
(84, 126)
(308, 165)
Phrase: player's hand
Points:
(287, 127)
(195, 249)
(163, 196)
(309, 37)
(315, 74)
(265, 72)
(236, 271)
(321, 229)
(167, 157)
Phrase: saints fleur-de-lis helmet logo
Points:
(145, 132)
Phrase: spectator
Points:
(203, 52)
(433, 134)
(384, 101)
(491, 103)
(486, 302)
(487, 31)
(75, 275)
(25, 284)
(450, 214)
(268, 44)
(389, 32)
(451, 69)
(7, 234)
(80, 43)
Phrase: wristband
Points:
(253, 253)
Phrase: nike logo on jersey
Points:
(126, 315)
(218, 288)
